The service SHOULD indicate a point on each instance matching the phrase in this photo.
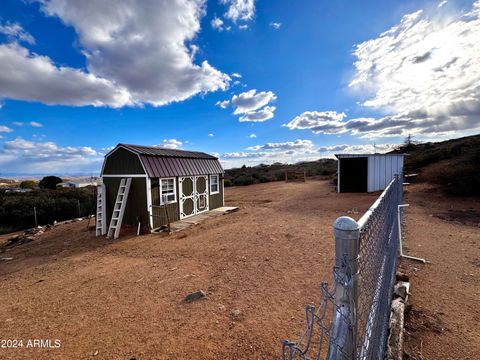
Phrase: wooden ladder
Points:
(101, 226)
(119, 208)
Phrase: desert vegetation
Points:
(276, 172)
(453, 165)
(17, 209)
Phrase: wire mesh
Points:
(321, 337)
(377, 266)
(367, 317)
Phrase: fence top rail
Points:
(364, 219)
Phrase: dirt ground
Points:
(445, 313)
(259, 266)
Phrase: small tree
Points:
(49, 182)
(28, 184)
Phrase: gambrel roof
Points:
(161, 162)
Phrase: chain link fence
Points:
(351, 321)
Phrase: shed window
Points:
(168, 192)
(213, 184)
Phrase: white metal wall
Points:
(382, 169)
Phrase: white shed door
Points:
(193, 195)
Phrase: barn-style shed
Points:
(367, 172)
(185, 182)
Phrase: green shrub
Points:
(28, 184)
(244, 180)
(16, 209)
(49, 182)
(276, 172)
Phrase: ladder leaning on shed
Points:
(101, 226)
(119, 208)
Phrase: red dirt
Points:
(124, 299)
(443, 322)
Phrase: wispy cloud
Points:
(296, 151)
(442, 3)
(5, 129)
(219, 25)
(287, 145)
(14, 31)
(275, 25)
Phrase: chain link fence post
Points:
(347, 235)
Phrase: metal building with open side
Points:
(143, 185)
(367, 172)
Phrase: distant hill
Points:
(265, 173)
(453, 165)
(7, 182)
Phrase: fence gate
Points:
(193, 195)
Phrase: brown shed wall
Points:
(136, 201)
(216, 200)
(122, 162)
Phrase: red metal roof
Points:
(158, 166)
(161, 151)
(161, 162)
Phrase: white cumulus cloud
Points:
(27, 76)
(239, 9)
(251, 100)
(261, 115)
(25, 156)
(223, 104)
(423, 72)
(252, 105)
(327, 122)
(171, 144)
(111, 39)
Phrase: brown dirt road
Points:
(124, 299)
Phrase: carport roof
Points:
(338, 156)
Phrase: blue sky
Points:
(251, 81)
